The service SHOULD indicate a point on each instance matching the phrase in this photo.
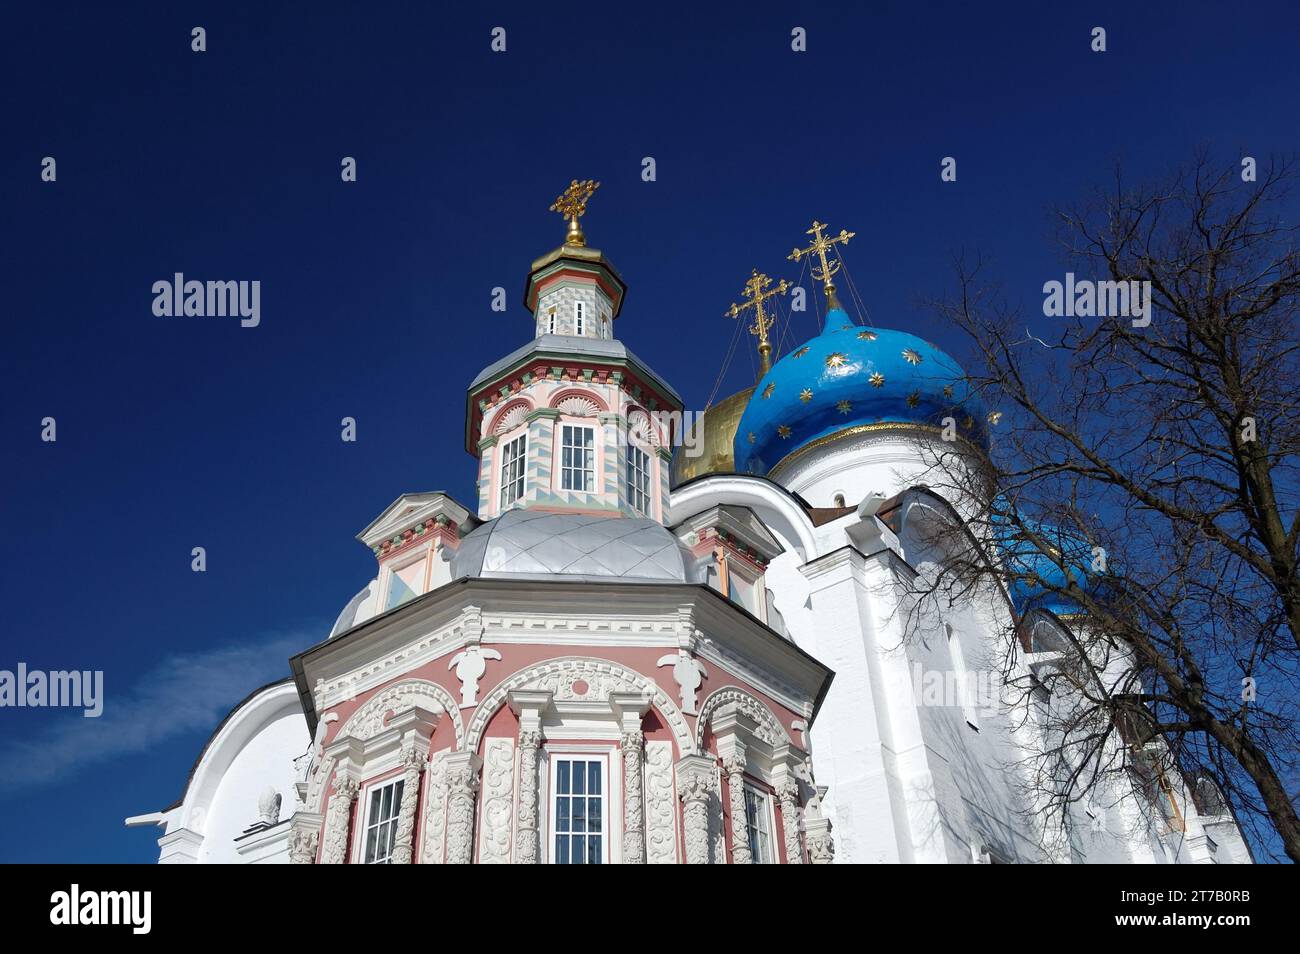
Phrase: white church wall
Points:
(252, 751)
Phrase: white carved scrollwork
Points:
(368, 721)
(788, 795)
(660, 806)
(633, 746)
(337, 820)
(495, 833)
(734, 766)
(302, 846)
(564, 677)
(404, 841)
(768, 726)
(462, 784)
(526, 825)
(435, 809)
(695, 793)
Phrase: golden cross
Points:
(755, 291)
(572, 204)
(821, 245)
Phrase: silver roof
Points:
(533, 544)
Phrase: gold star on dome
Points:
(911, 357)
(877, 379)
(994, 417)
(767, 391)
(844, 406)
(914, 399)
(783, 430)
(805, 395)
(968, 422)
(750, 437)
(836, 359)
(800, 353)
(947, 391)
(867, 335)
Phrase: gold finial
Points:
(756, 291)
(821, 245)
(572, 204)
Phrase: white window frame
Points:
(608, 827)
(566, 469)
(507, 458)
(363, 816)
(550, 322)
(580, 317)
(766, 816)
(633, 490)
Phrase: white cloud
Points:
(182, 694)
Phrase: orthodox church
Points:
(626, 653)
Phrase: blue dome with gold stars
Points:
(846, 379)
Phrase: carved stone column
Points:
(694, 787)
(529, 705)
(526, 853)
(413, 763)
(734, 765)
(629, 709)
(462, 785)
(788, 794)
(337, 819)
(304, 837)
(633, 745)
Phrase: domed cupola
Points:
(838, 416)
(847, 380)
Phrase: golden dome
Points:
(716, 451)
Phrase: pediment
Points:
(410, 510)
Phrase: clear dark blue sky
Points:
(175, 433)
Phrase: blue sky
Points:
(176, 433)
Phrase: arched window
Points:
(839, 500)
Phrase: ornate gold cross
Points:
(572, 204)
(821, 245)
(756, 291)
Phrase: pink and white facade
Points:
(589, 665)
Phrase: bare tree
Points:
(1145, 476)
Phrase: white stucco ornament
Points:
(470, 664)
(689, 673)
(322, 728)
(268, 806)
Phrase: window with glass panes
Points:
(580, 317)
(758, 824)
(638, 479)
(577, 458)
(579, 835)
(381, 822)
(512, 470)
